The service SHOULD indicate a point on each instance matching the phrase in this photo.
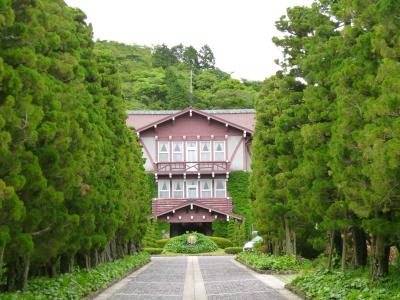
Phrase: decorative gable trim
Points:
(191, 110)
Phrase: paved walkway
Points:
(197, 277)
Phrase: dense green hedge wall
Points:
(238, 188)
(233, 250)
(221, 242)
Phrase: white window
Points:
(205, 151)
(191, 151)
(220, 188)
(191, 189)
(163, 151)
(163, 188)
(206, 188)
(219, 150)
(177, 189)
(177, 151)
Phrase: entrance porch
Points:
(181, 228)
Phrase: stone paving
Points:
(198, 278)
(225, 280)
(163, 279)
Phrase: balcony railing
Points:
(192, 167)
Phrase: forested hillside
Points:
(159, 78)
(72, 183)
(327, 144)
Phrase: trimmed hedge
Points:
(180, 244)
(153, 250)
(262, 261)
(79, 283)
(221, 242)
(161, 243)
(233, 250)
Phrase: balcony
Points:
(217, 167)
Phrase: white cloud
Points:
(239, 32)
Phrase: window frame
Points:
(195, 148)
(159, 151)
(202, 181)
(174, 181)
(159, 184)
(195, 185)
(215, 150)
(218, 190)
(209, 150)
(175, 152)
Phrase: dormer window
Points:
(163, 151)
(177, 151)
(205, 151)
(219, 150)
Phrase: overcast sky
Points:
(239, 32)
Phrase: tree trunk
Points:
(331, 247)
(288, 240)
(360, 252)
(94, 258)
(380, 257)
(66, 263)
(17, 275)
(1, 259)
(344, 249)
(294, 242)
(51, 267)
(83, 260)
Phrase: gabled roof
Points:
(242, 119)
(189, 203)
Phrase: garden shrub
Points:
(349, 285)
(221, 242)
(79, 283)
(161, 243)
(264, 261)
(153, 250)
(179, 244)
(233, 250)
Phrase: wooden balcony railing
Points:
(192, 167)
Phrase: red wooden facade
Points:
(191, 152)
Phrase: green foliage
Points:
(220, 228)
(180, 244)
(221, 242)
(153, 250)
(237, 232)
(264, 261)
(79, 283)
(233, 250)
(159, 78)
(71, 174)
(161, 243)
(326, 146)
(350, 285)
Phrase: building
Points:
(191, 153)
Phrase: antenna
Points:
(191, 87)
